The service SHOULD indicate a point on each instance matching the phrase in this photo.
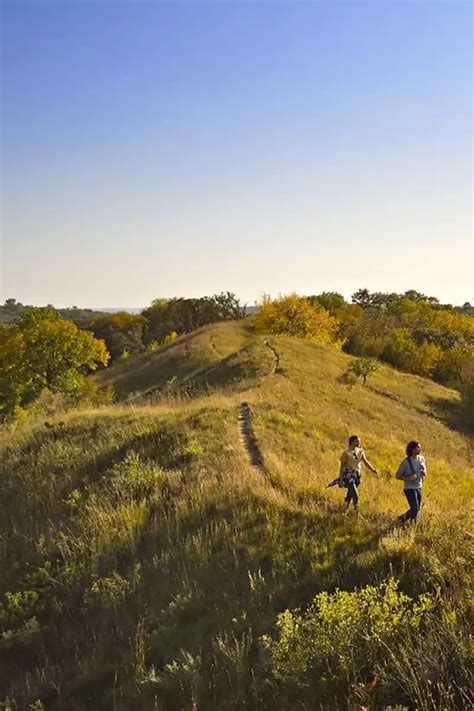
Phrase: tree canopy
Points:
(121, 331)
(295, 315)
(42, 350)
(184, 315)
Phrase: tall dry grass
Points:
(143, 559)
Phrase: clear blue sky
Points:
(168, 148)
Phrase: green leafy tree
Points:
(228, 306)
(426, 359)
(417, 296)
(452, 363)
(466, 308)
(363, 367)
(400, 350)
(121, 332)
(332, 301)
(362, 298)
(347, 315)
(184, 315)
(377, 300)
(467, 387)
(411, 331)
(41, 350)
(15, 377)
(10, 310)
(368, 336)
(382, 300)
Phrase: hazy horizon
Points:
(137, 309)
(191, 148)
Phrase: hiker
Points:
(349, 473)
(411, 471)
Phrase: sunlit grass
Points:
(156, 556)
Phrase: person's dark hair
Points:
(353, 438)
(411, 448)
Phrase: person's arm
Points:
(404, 472)
(423, 466)
(343, 463)
(368, 464)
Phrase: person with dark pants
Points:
(411, 471)
(414, 501)
(349, 473)
(352, 494)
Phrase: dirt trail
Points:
(276, 356)
(247, 436)
(249, 442)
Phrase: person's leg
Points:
(347, 500)
(412, 498)
(418, 491)
(418, 502)
(352, 495)
(355, 497)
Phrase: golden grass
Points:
(197, 569)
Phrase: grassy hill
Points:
(143, 558)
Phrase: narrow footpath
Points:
(247, 436)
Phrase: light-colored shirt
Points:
(352, 459)
(405, 470)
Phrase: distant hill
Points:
(117, 309)
(11, 309)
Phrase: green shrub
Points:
(152, 347)
(74, 499)
(124, 356)
(134, 478)
(170, 337)
(343, 637)
(107, 592)
(17, 606)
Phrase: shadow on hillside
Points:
(165, 446)
(152, 375)
(244, 364)
(150, 371)
(452, 414)
(147, 373)
(383, 392)
(449, 412)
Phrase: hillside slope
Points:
(143, 557)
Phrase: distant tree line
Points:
(12, 309)
(39, 349)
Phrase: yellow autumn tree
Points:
(296, 316)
